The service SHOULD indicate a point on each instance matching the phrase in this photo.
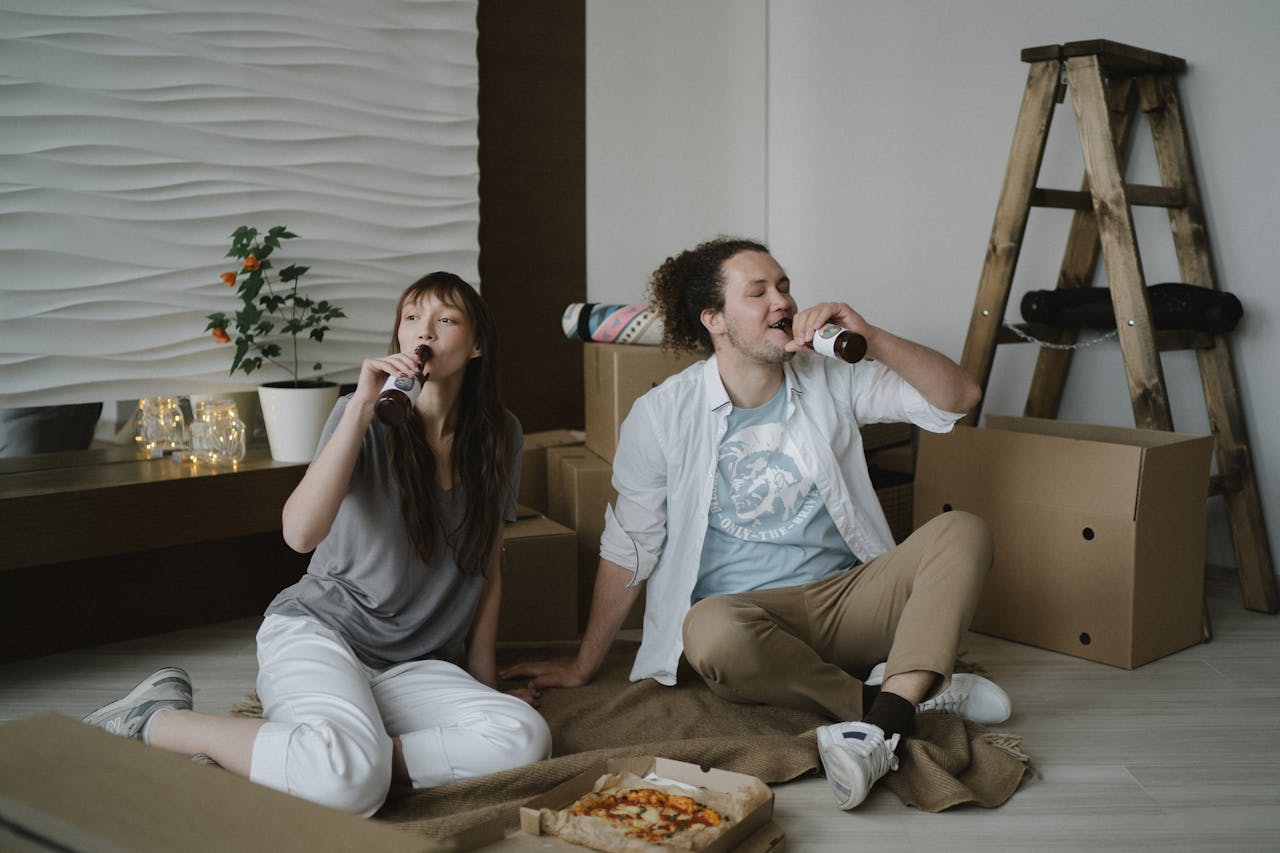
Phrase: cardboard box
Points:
(68, 786)
(755, 833)
(1099, 531)
(539, 582)
(533, 463)
(900, 459)
(561, 503)
(879, 436)
(580, 487)
(895, 492)
(614, 377)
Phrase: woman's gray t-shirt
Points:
(366, 581)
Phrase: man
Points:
(746, 509)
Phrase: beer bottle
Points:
(836, 342)
(399, 393)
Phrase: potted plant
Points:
(266, 329)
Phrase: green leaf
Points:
(292, 272)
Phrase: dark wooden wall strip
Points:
(533, 256)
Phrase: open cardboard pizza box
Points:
(754, 833)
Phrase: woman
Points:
(378, 665)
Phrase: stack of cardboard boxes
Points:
(566, 484)
(539, 556)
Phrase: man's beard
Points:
(756, 348)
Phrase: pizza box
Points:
(755, 833)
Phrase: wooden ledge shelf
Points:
(79, 513)
(127, 548)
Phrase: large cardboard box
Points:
(533, 463)
(68, 786)
(1099, 532)
(614, 377)
(754, 833)
(580, 487)
(561, 500)
(539, 582)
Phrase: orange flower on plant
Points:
(220, 335)
(251, 263)
(229, 278)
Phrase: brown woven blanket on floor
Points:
(947, 763)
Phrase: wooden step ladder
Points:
(1108, 82)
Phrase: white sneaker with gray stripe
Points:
(165, 688)
(977, 699)
(855, 756)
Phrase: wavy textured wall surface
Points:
(136, 137)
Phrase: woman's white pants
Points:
(331, 720)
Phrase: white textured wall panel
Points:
(136, 137)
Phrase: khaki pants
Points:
(800, 647)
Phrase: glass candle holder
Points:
(161, 425)
(218, 434)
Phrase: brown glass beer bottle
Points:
(836, 342)
(399, 393)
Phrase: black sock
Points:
(893, 714)
(869, 694)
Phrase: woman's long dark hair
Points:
(481, 441)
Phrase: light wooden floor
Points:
(1181, 754)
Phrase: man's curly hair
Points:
(689, 283)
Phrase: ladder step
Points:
(1167, 340)
(1141, 195)
(1120, 60)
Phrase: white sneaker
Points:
(166, 688)
(855, 757)
(973, 697)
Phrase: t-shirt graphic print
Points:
(767, 525)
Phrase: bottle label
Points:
(407, 384)
(824, 340)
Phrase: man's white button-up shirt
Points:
(664, 471)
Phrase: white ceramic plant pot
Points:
(295, 417)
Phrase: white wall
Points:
(888, 131)
(675, 133)
(138, 137)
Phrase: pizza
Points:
(650, 815)
(624, 813)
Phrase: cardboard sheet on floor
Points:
(68, 786)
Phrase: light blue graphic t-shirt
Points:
(768, 526)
